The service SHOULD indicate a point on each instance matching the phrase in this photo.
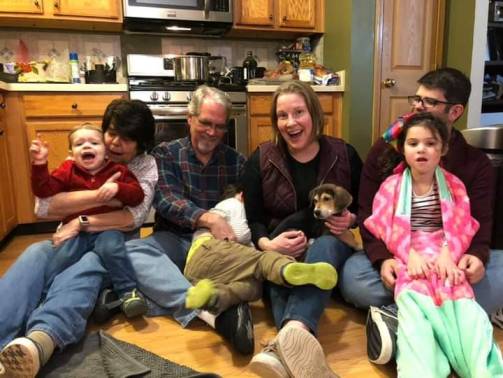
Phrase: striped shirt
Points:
(425, 213)
(187, 188)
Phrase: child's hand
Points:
(39, 151)
(417, 266)
(107, 191)
(447, 269)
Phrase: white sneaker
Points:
(267, 363)
(497, 318)
(20, 359)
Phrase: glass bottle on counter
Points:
(249, 66)
(307, 61)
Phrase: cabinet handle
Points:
(56, 4)
(1, 132)
(270, 17)
(75, 106)
(2, 105)
(285, 18)
(37, 4)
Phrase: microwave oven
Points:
(178, 16)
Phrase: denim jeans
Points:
(360, 284)
(108, 245)
(307, 303)
(68, 303)
(72, 295)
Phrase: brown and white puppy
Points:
(330, 199)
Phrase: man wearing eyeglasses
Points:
(369, 276)
(193, 172)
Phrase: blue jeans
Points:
(72, 295)
(68, 303)
(360, 284)
(307, 303)
(108, 245)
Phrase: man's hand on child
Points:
(39, 151)
(389, 273)
(473, 268)
(292, 243)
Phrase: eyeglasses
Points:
(426, 102)
(207, 125)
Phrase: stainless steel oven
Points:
(168, 100)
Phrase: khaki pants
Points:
(236, 270)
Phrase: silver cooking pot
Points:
(191, 67)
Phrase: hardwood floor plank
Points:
(342, 335)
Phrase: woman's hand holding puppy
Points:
(337, 224)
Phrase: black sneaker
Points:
(133, 304)
(107, 306)
(381, 328)
(236, 326)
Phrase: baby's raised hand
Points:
(417, 266)
(107, 191)
(39, 151)
(447, 269)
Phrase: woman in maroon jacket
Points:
(277, 179)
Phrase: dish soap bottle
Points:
(307, 61)
(74, 68)
(249, 66)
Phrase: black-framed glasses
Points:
(426, 102)
(207, 125)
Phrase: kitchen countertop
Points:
(56, 87)
(317, 88)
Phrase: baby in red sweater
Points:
(89, 169)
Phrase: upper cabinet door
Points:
(255, 12)
(21, 6)
(87, 8)
(297, 13)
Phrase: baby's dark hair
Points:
(231, 190)
(392, 157)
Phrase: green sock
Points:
(44, 344)
(321, 274)
(198, 296)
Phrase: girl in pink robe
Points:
(439, 323)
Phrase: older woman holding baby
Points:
(277, 179)
(56, 315)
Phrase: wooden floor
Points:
(341, 334)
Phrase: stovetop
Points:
(165, 84)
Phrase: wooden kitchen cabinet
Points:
(259, 121)
(282, 18)
(105, 15)
(8, 217)
(52, 115)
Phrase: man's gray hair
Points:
(203, 92)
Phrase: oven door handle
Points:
(159, 110)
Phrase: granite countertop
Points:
(57, 87)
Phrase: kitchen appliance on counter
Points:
(151, 78)
(101, 70)
(209, 18)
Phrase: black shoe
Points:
(381, 328)
(133, 304)
(236, 326)
(107, 306)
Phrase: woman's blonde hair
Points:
(83, 126)
(312, 103)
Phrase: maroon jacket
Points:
(68, 177)
(466, 162)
